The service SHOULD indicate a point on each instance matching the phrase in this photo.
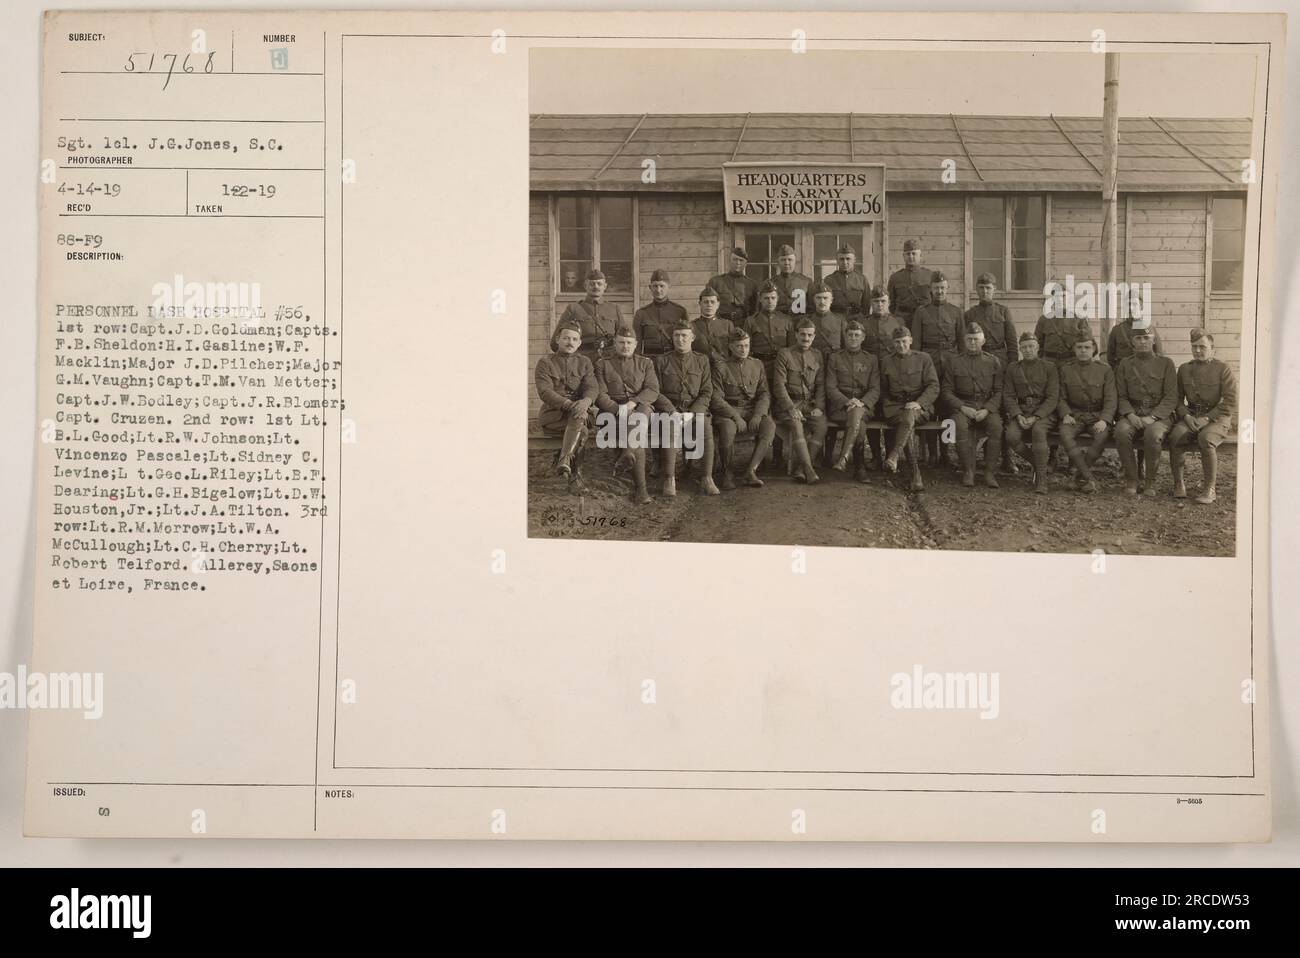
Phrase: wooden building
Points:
(632, 193)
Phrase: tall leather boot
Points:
(966, 452)
(914, 463)
(568, 446)
(707, 485)
(852, 427)
(992, 454)
(1176, 471)
(670, 469)
(1080, 461)
(1039, 457)
(1151, 464)
(1128, 459)
(725, 452)
(761, 447)
(640, 496)
(803, 454)
(1210, 475)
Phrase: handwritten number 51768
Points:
(170, 58)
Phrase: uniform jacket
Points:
(910, 378)
(1000, 335)
(1031, 388)
(830, 332)
(852, 375)
(972, 381)
(1147, 386)
(1087, 391)
(799, 376)
(563, 379)
(737, 295)
(936, 329)
(786, 284)
(653, 324)
(1057, 335)
(768, 333)
(909, 289)
(712, 336)
(1119, 345)
(879, 340)
(849, 291)
(1207, 388)
(740, 385)
(685, 380)
(623, 380)
(599, 321)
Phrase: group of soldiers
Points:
(795, 358)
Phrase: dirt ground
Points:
(883, 515)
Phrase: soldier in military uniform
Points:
(1146, 386)
(711, 330)
(999, 331)
(741, 406)
(792, 287)
(829, 325)
(799, 387)
(909, 287)
(597, 319)
(654, 322)
(936, 330)
(686, 387)
(737, 293)
(1087, 405)
(1207, 401)
(848, 286)
(909, 387)
(567, 385)
(852, 392)
(880, 327)
(1030, 394)
(1119, 345)
(1057, 333)
(769, 329)
(629, 387)
(972, 393)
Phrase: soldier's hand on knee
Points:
(816, 413)
(1147, 420)
(739, 420)
(981, 415)
(754, 424)
(1099, 427)
(914, 406)
(1133, 420)
(1068, 420)
(1201, 422)
(796, 414)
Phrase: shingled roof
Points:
(605, 152)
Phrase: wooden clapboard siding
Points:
(1224, 323)
(938, 220)
(541, 296)
(682, 233)
(1167, 250)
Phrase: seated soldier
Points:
(686, 388)
(909, 388)
(972, 394)
(597, 319)
(741, 406)
(1146, 388)
(1207, 401)
(852, 391)
(567, 386)
(1030, 394)
(628, 389)
(1087, 405)
(799, 385)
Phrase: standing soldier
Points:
(628, 387)
(880, 328)
(1030, 394)
(792, 287)
(852, 391)
(1088, 405)
(654, 322)
(769, 330)
(711, 330)
(1207, 401)
(737, 293)
(799, 385)
(1146, 386)
(909, 287)
(849, 287)
(597, 319)
(1119, 345)
(686, 387)
(999, 335)
(829, 325)
(567, 386)
(936, 330)
(972, 392)
(741, 406)
(909, 387)
(1057, 332)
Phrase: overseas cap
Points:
(1027, 335)
(739, 251)
(738, 335)
(938, 277)
(709, 291)
(910, 245)
(572, 324)
(971, 328)
(769, 287)
(880, 293)
(595, 274)
(785, 250)
(660, 276)
(819, 287)
(683, 323)
(853, 324)
(902, 332)
(986, 279)
(805, 323)
(846, 248)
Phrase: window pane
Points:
(573, 211)
(1229, 213)
(615, 244)
(615, 211)
(1027, 243)
(1026, 211)
(575, 244)
(993, 266)
(1226, 277)
(618, 275)
(1027, 274)
(988, 245)
(757, 271)
(986, 212)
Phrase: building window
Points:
(1009, 235)
(762, 250)
(1228, 244)
(595, 231)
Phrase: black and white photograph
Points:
(962, 299)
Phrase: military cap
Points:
(660, 276)
(769, 287)
(740, 251)
(902, 332)
(818, 287)
(805, 323)
(1142, 328)
(738, 334)
(880, 293)
(709, 291)
(910, 245)
(1198, 334)
(595, 274)
(972, 327)
(853, 324)
(938, 277)
(846, 248)
(572, 324)
(683, 323)
(986, 278)
(1026, 335)
(785, 250)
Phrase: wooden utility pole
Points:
(1109, 189)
